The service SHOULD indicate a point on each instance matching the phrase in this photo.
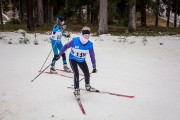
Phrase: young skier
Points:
(80, 46)
(56, 43)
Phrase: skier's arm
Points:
(65, 47)
(66, 35)
(63, 34)
(55, 28)
(92, 56)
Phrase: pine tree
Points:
(103, 17)
(30, 22)
(132, 16)
(40, 12)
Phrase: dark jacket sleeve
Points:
(65, 47)
(92, 56)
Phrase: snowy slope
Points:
(150, 72)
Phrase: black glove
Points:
(56, 57)
(94, 70)
(68, 36)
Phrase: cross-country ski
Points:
(110, 93)
(60, 74)
(80, 104)
(67, 72)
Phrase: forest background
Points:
(117, 17)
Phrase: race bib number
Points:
(57, 36)
(79, 53)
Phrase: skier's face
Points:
(86, 36)
(62, 23)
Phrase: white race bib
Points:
(57, 35)
(79, 53)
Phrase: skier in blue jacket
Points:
(80, 47)
(56, 43)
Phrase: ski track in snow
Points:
(150, 72)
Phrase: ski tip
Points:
(97, 91)
(130, 96)
(69, 87)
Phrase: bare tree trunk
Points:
(157, 13)
(132, 18)
(21, 15)
(1, 17)
(29, 7)
(80, 15)
(103, 17)
(47, 12)
(168, 12)
(51, 14)
(40, 13)
(94, 16)
(67, 8)
(94, 13)
(175, 14)
(88, 14)
(143, 14)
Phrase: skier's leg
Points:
(74, 67)
(60, 45)
(75, 70)
(85, 70)
(66, 68)
(55, 51)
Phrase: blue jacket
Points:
(79, 51)
(57, 33)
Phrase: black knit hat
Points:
(60, 18)
(85, 32)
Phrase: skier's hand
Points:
(68, 36)
(56, 57)
(94, 70)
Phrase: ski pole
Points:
(84, 77)
(40, 73)
(47, 58)
(81, 79)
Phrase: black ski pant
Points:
(83, 66)
(63, 58)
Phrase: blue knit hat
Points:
(61, 18)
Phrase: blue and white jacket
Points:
(57, 33)
(79, 51)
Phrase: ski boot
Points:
(91, 89)
(53, 70)
(77, 93)
(66, 69)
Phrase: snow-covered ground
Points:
(149, 70)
